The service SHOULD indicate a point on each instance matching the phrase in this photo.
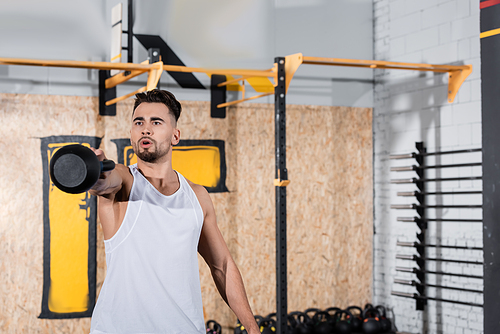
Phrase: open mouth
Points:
(145, 142)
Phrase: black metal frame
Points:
(281, 174)
(490, 119)
(106, 94)
(129, 32)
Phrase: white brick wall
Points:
(412, 106)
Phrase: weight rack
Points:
(422, 220)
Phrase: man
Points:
(154, 222)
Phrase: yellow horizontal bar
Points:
(250, 73)
(227, 104)
(489, 33)
(225, 83)
(379, 66)
(101, 65)
(382, 64)
(124, 97)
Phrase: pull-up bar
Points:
(456, 73)
(143, 67)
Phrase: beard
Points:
(151, 154)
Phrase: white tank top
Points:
(152, 283)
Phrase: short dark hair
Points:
(159, 96)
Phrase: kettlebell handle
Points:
(107, 165)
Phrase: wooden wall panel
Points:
(24, 120)
(329, 151)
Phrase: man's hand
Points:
(100, 153)
(253, 330)
(100, 185)
(106, 182)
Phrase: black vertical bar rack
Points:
(421, 224)
(422, 244)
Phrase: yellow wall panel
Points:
(199, 164)
(200, 161)
(67, 286)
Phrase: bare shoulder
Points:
(124, 172)
(203, 196)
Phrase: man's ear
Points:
(176, 136)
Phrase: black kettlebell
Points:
(267, 326)
(321, 323)
(271, 316)
(331, 311)
(311, 312)
(371, 323)
(240, 329)
(357, 319)
(384, 322)
(75, 168)
(258, 318)
(292, 321)
(288, 325)
(304, 324)
(213, 327)
(343, 324)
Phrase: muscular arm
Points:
(226, 275)
(112, 190)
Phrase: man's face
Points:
(153, 132)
